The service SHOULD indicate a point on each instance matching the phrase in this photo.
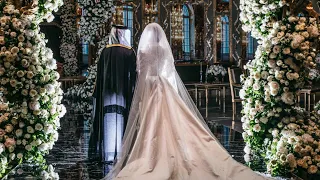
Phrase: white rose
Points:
(30, 130)
(9, 128)
(43, 147)
(257, 76)
(24, 111)
(275, 133)
(55, 136)
(38, 127)
(247, 149)
(288, 98)
(19, 155)
(27, 136)
(278, 75)
(256, 86)
(19, 142)
(247, 158)
(49, 88)
(264, 74)
(19, 132)
(267, 99)
(264, 120)
(272, 63)
(28, 147)
(33, 92)
(292, 19)
(48, 129)
(274, 85)
(257, 128)
(34, 105)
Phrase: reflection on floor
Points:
(69, 155)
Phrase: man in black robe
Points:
(116, 76)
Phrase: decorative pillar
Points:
(235, 33)
(214, 39)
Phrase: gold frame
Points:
(215, 15)
(143, 6)
(208, 54)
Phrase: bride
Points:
(166, 137)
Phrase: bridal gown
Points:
(166, 138)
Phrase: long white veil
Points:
(154, 59)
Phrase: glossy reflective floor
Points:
(69, 155)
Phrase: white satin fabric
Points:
(166, 137)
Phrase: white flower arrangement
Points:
(68, 48)
(94, 15)
(273, 128)
(31, 109)
(69, 54)
(216, 70)
(85, 90)
(259, 17)
(216, 73)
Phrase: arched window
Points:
(128, 19)
(85, 53)
(186, 32)
(225, 51)
(251, 47)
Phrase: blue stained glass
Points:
(128, 19)
(225, 36)
(186, 32)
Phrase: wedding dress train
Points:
(166, 138)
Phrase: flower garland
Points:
(94, 15)
(259, 17)
(31, 109)
(68, 49)
(85, 90)
(274, 130)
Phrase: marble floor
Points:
(69, 155)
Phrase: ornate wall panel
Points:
(235, 32)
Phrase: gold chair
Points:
(235, 86)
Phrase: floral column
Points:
(277, 133)
(31, 96)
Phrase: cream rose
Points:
(288, 98)
(286, 50)
(30, 74)
(2, 41)
(19, 132)
(30, 130)
(272, 63)
(28, 147)
(20, 73)
(21, 38)
(33, 92)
